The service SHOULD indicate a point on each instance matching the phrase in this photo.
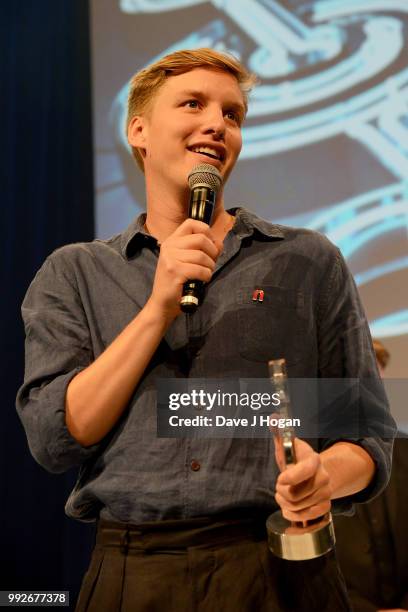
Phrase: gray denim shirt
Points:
(85, 294)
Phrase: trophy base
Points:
(294, 542)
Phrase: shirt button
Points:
(195, 466)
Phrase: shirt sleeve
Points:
(346, 351)
(58, 346)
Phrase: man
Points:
(181, 521)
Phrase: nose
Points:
(214, 123)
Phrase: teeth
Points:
(206, 151)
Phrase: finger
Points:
(199, 242)
(179, 265)
(304, 489)
(196, 257)
(192, 226)
(317, 497)
(192, 271)
(301, 471)
(302, 449)
(313, 512)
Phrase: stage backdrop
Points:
(326, 139)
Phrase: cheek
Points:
(172, 137)
(160, 144)
(237, 144)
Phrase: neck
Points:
(166, 213)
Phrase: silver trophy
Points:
(294, 541)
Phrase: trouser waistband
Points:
(181, 534)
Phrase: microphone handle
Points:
(202, 202)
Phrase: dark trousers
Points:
(203, 565)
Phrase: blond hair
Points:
(145, 84)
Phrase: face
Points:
(195, 118)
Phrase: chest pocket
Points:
(271, 326)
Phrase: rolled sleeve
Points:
(57, 347)
(346, 350)
(380, 450)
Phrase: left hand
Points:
(303, 490)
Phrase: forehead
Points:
(209, 82)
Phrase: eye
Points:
(233, 116)
(191, 103)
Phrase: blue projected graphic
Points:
(332, 73)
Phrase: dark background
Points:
(47, 201)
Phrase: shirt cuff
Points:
(43, 416)
(380, 450)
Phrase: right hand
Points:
(189, 253)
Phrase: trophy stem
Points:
(301, 540)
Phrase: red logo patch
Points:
(258, 295)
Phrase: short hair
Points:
(145, 84)
(381, 353)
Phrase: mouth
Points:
(209, 152)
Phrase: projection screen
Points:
(326, 138)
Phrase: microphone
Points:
(204, 181)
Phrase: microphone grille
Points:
(205, 175)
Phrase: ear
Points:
(137, 133)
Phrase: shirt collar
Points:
(246, 223)
(136, 237)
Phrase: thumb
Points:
(302, 451)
